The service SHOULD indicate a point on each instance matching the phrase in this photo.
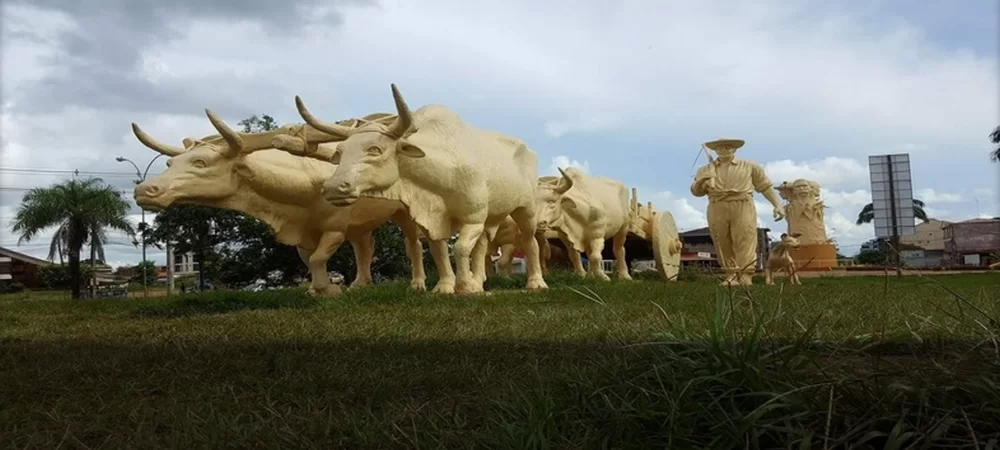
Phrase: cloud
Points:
(813, 87)
(930, 196)
(688, 212)
(564, 162)
(829, 172)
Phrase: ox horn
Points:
(328, 128)
(404, 120)
(234, 139)
(564, 184)
(160, 147)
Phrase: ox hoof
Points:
(473, 287)
(536, 284)
(330, 290)
(360, 283)
(444, 288)
(625, 277)
(418, 285)
(603, 276)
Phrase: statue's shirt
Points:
(736, 180)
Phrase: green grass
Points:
(853, 362)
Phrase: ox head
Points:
(203, 171)
(553, 202)
(368, 157)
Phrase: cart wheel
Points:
(666, 245)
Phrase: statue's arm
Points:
(762, 184)
(698, 187)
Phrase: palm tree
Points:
(867, 214)
(995, 138)
(83, 211)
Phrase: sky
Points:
(628, 90)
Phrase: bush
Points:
(10, 287)
(56, 276)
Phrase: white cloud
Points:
(930, 196)
(829, 172)
(564, 162)
(816, 86)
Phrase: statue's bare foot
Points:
(329, 290)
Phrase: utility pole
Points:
(142, 177)
(170, 270)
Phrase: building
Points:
(698, 243)
(16, 267)
(925, 247)
(974, 242)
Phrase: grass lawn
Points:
(847, 362)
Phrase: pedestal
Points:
(822, 256)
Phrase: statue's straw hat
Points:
(717, 144)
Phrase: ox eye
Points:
(169, 161)
(199, 163)
(374, 150)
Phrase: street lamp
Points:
(142, 177)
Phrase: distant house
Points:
(19, 268)
(972, 242)
(925, 247)
(698, 242)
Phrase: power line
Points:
(45, 171)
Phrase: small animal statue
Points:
(780, 259)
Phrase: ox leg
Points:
(619, 248)
(525, 220)
(768, 277)
(544, 252)
(594, 258)
(468, 238)
(364, 251)
(479, 257)
(321, 285)
(506, 257)
(414, 251)
(574, 258)
(488, 259)
(446, 276)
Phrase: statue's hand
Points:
(709, 185)
(779, 213)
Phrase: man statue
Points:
(729, 184)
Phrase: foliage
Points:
(839, 362)
(57, 276)
(147, 267)
(10, 287)
(995, 138)
(867, 213)
(83, 210)
(873, 257)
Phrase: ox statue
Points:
(451, 176)
(244, 172)
(780, 259)
(507, 240)
(585, 211)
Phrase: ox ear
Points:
(335, 157)
(242, 169)
(409, 150)
(567, 203)
(188, 143)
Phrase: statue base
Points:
(815, 257)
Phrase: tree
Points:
(83, 211)
(196, 229)
(147, 267)
(995, 138)
(867, 214)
